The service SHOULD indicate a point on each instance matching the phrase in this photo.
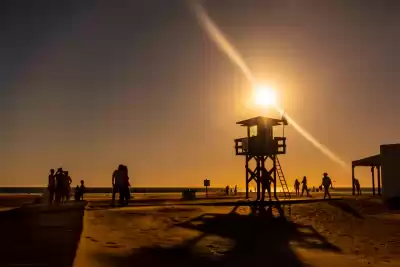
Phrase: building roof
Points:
(368, 161)
(262, 120)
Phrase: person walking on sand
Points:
(227, 190)
(326, 183)
(266, 180)
(297, 187)
(357, 185)
(235, 191)
(304, 186)
(51, 187)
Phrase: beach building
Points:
(386, 165)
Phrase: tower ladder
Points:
(281, 176)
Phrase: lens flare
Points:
(226, 47)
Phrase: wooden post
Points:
(247, 177)
(274, 170)
(261, 177)
(373, 180)
(258, 170)
(352, 180)
(206, 184)
(378, 168)
(248, 158)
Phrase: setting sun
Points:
(265, 96)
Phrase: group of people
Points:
(121, 185)
(326, 184)
(59, 186)
(231, 191)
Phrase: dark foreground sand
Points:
(39, 236)
(342, 233)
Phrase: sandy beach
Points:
(352, 232)
(348, 232)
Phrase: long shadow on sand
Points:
(39, 238)
(257, 239)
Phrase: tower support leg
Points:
(258, 180)
(373, 180)
(378, 169)
(247, 177)
(274, 174)
(352, 180)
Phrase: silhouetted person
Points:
(297, 187)
(60, 185)
(235, 191)
(326, 183)
(266, 180)
(67, 185)
(77, 193)
(120, 180)
(82, 190)
(304, 186)
(51, 186)
(357, 185)
(125, 194)
(116, 183)
(227, 190)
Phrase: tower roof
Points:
(260, 120)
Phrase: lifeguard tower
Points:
(259, 146)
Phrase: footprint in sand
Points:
(91, 239)
(112, 245)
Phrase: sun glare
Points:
(265, 96)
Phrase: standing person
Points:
(235, 190)
(358, 187)
(114, 184)
(326, 183)
(227, 190)
(304, 186)
(125, 187)
(60, 188)
(82, 190)
(296, 187)
(67, 186)
(266, 180)
(51, 187)
(77, 195)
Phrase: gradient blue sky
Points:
(87, 85)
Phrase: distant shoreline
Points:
(38, 190)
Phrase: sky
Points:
(87, 85)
